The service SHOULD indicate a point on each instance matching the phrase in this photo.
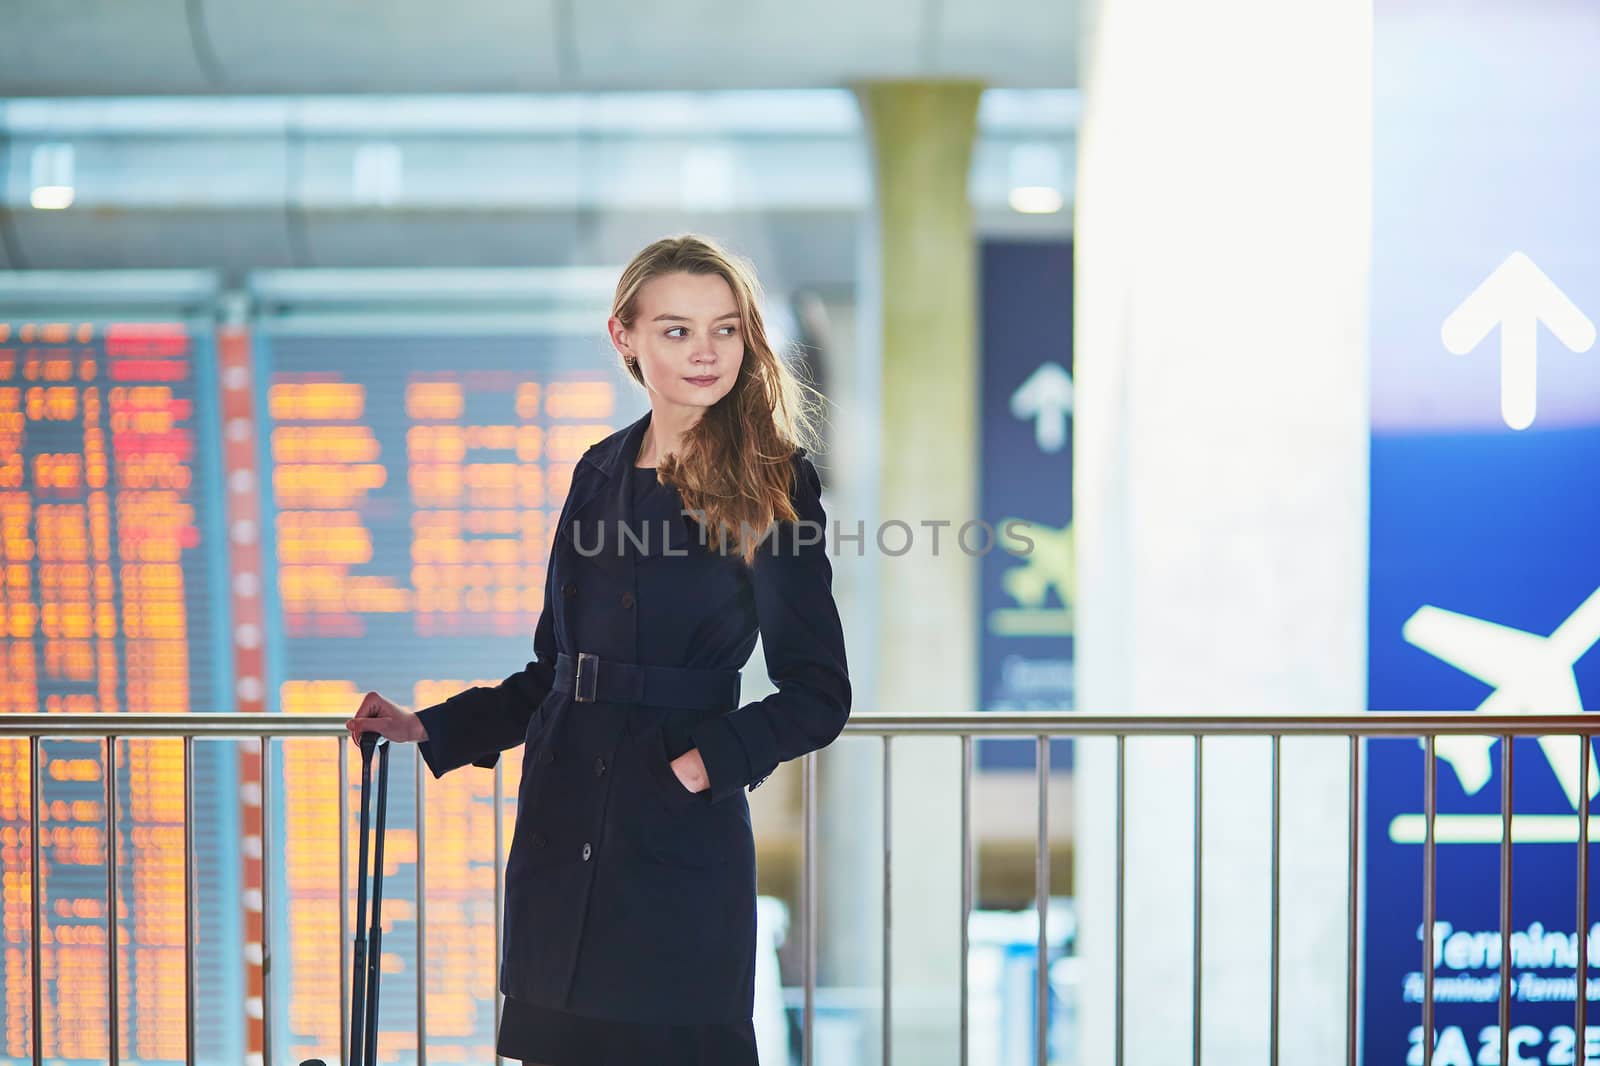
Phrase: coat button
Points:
(627, 599)
(599, 766)
(586, 853)
(537, 840)
(570, 589)
(546, 756)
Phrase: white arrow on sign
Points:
(1517, 296)
(1046, 397)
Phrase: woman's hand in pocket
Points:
(378, 715)
(691, 771)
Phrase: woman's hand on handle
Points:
(378, 715)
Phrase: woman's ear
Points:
(619, 338)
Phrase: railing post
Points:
(345, 962)
(36, 900)
(808, 891)
(1585, 749)
(1428, 799)
(1041, 891)
(1277, 815)
(1352, 902)
(422, 914)
(189, 935)
(266, 899)
(1199, 822)
(1122, 874)
(966, 887)
(888, 1039)
(499, 894)
(1505, 902)
(111, 892)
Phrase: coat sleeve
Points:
(476, 725)
(803, 642)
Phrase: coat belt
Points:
(592, 679)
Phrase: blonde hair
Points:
(734, 467)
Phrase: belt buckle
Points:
(579, 693)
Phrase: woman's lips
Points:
(711, 380)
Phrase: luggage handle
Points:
(368, 948)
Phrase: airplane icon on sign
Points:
(1531, 675)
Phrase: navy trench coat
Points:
(627, 896)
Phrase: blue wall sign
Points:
(1485, 536)
(1026, 600)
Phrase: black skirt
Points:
(549, 1037)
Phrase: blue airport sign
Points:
(1484, 589)
(1026, 601)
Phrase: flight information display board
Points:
(411, 483)
(110, 602)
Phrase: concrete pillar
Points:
(921, 136)
(1220, 499)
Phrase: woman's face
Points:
(686, 337)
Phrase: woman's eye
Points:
(676, 331)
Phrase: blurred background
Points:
(339, 277)
(302, 329)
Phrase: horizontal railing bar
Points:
(206, 724)
(1009, 724)
(1387, 723)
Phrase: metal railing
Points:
(1040, 727)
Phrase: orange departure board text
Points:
(107, 587)
(414, 485)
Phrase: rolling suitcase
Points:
(368, 944)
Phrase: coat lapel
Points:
(602, 500)
(601, 505)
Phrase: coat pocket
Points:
(666, 824)
(658, 764)
(538, 722)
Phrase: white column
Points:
(1221, 499)
(922, 135)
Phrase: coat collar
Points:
(610, 483)
(620, 447)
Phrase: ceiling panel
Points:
(97, 47)
(346, 46)
(1035, 43)
(725, 43)
(100, 47)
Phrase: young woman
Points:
(630, 918)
